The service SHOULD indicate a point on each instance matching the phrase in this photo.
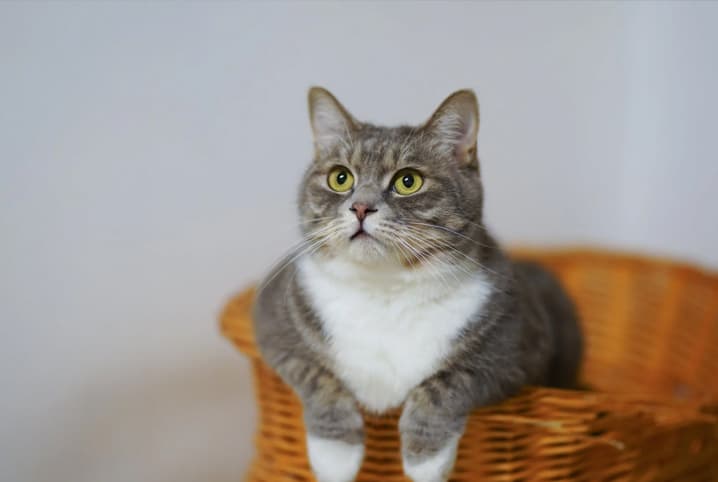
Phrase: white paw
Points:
(333, 460)
(435, 468)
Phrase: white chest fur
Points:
(388, 332)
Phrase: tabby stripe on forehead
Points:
(389, 155)
(342, 153)
(404, 149)
(356, 155)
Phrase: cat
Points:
(399, 296)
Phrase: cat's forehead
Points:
(382, 149)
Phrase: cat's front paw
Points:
(334, 460)
(434, 467)
(335, 439)
(429, 439)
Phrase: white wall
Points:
(149, 156)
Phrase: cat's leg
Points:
(434, 418)
(429, 438)
(334, 425)
(335, 436)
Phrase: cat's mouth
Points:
(359, 234)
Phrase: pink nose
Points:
(362, 210)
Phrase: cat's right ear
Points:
(455, 125)
(331, 123)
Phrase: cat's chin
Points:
(366, 250)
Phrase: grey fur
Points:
(527, 333)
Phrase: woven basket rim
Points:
(683, 263)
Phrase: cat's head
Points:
(403, 195)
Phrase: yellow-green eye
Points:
(407, 181)
(340, 179)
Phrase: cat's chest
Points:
(383, 341)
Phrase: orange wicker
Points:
(651, 357)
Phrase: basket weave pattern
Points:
(651, 358)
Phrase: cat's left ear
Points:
(331, 123)
(455, 126)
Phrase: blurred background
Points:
(150, 155)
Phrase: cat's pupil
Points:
(341, 178)
(407, 181)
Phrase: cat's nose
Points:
(362, 210)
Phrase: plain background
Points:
(149, 160)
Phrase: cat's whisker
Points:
(404, 256)
(288, 262)
(395, 233)
(448, 246)
(478, 225)
(424, 259)
(448, 249)
(448, 230)
(395, 240)
(310, 250)
(439, 242)
(436, 258)
(314, 239)
(282, 264)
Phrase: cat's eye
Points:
(340, 179)
(407, 181)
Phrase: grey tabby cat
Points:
(400, 296)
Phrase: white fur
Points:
(389, 327)
(435, 468)
(334, 460)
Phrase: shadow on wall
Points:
(193, 423)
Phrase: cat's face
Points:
(403, 195)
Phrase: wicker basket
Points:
(651, 357)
